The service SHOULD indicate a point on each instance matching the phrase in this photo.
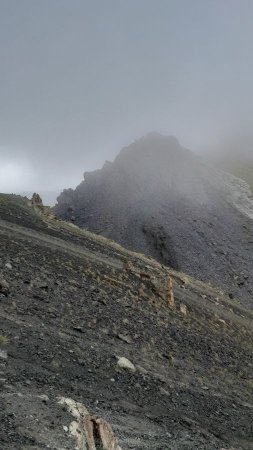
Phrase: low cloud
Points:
(15, 176)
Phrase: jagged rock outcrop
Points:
(91, 432)
(160, 199)
(36, 202)
(169, 294)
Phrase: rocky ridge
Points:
(162, 200)
(89, 326)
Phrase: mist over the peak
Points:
(80, 80)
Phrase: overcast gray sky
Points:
(79, 79)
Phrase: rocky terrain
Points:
(105, 349)
(241, 167)
(162, 200)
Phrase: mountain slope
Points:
(72, 304)
(162, 200)
(241, 167)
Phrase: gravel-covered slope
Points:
(162, 200)
(72, 304)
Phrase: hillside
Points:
(72, 304)
(162, 200)
(240, 167)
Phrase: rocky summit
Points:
(105, 349)
(162, 200)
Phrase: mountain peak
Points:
(160, 199)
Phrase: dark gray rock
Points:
(192, 387)
(4, 287)
(160, 199)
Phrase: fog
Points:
(80, 79)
